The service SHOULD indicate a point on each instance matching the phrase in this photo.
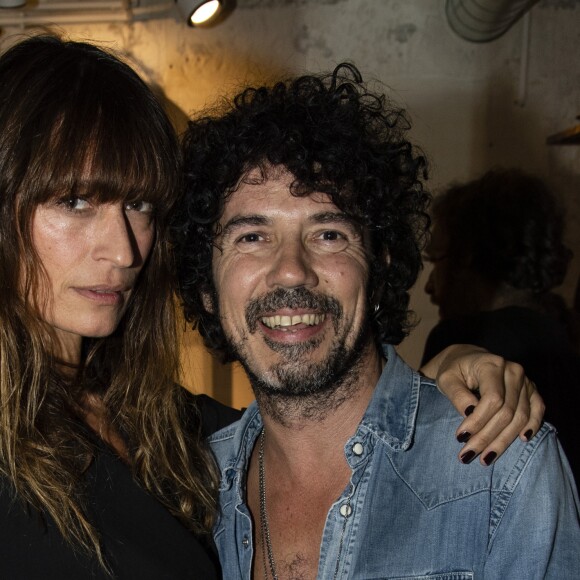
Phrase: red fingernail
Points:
(469, 410)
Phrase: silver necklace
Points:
(267, 552)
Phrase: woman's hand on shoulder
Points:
(494, 395)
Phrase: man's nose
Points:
(114, 240)
(292, 267)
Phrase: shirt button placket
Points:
(345, 510)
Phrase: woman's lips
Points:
(102, 295)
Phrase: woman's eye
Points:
(140, 206)
(74, 203)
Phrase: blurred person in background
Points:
(497, 253)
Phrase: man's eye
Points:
(332, 235)
(140, 206)
(250, 238)
(331, 240)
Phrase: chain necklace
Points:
(267, 552)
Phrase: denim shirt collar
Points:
(390, 417)
(392, 411)
(245, 432)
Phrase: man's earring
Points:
(208, 303)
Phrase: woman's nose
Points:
(114, 240)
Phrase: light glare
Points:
(205, 12)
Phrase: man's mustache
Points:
(294, 298)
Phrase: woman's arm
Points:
(496, 398)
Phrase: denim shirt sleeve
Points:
(534, 528)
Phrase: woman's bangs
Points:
(128, 174)
(108, 164)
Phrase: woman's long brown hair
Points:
(75, 120)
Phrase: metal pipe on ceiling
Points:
(85, 5)
(484, 20)
(84, 13)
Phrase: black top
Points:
(140, 538)
(537, 342)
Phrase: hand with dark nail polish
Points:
(464, 437)
(468, 457)
(490, 458)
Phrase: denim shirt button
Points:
(358, 449)
(345, 510)
(246, 542)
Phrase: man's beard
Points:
(296, 386)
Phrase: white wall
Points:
(461, 96)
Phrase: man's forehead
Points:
(272, 192)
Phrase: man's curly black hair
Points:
(334, 136)
(510, 228)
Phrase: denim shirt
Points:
(412, 510)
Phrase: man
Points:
(304, 215)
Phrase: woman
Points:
(103, 472)
(88, 176)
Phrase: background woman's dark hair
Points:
(508, 226)
(76, 121)
(333, 135)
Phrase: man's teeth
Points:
(285, 321)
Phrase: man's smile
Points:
(285, 322)
(292, 311)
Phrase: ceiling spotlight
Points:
(204, 14)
